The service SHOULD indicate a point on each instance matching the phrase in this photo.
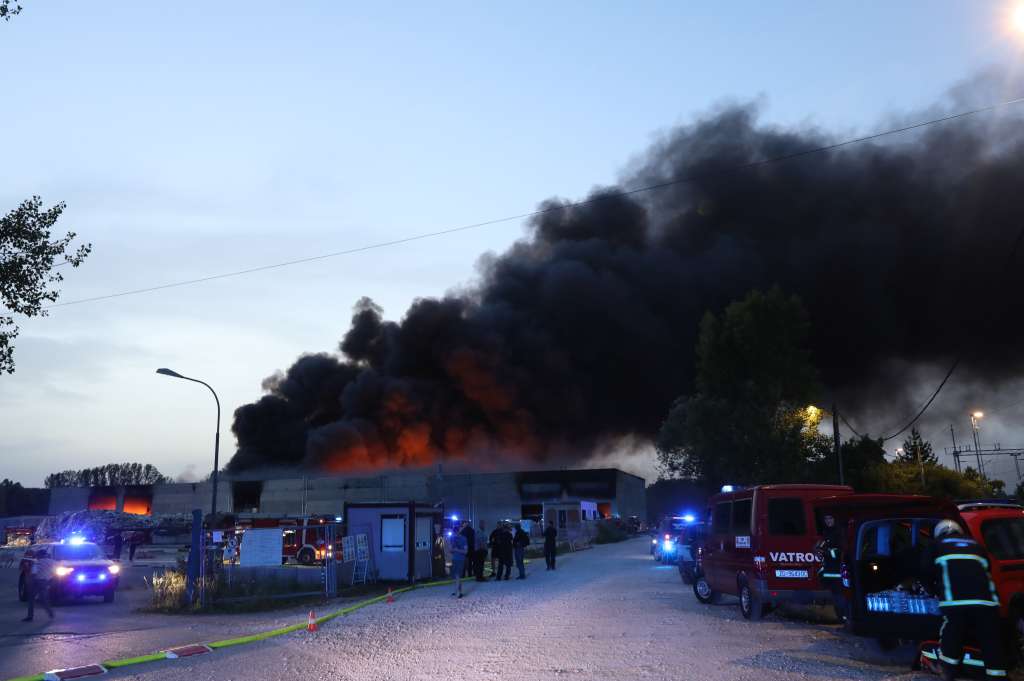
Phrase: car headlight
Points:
(654, 541)
(62, 571)
(114, 569)
(667, 546)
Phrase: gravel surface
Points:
(607, 613)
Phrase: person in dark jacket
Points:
(967, 600)
(134, 539)
(831, 562)
(118, 543)
(492, 542)
(504, 546)
(480, 553)
(550, 546)
(519, 543)
(470, 535)
(37, 586)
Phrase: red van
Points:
(760, 546)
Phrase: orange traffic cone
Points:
(312, 622)
(391, 598)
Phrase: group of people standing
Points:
(507, 542)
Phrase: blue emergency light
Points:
(76, 540)
(689, 518)
(728, 488)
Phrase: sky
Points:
(190, 139)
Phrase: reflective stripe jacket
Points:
(831, 555)
(962, 573)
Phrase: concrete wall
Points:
(64, 499)
(327, 496)
(630, 496)
(489, 497)
(182, 497)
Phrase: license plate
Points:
(791, 574)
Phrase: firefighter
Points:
(831, 562)
(967, 599)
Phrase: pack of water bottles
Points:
(902, 603)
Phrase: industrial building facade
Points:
(480, 496)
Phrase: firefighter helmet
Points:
(947, 527)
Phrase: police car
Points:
(665, 540)
(74, 568)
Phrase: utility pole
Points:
(956, 452)
(835, 442)
(920, 464)
(977, 441)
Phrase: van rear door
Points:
(788, 537)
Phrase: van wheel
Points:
(703, 591)
(751, 606)
(22, 590)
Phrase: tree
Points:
(8, 8)
(110, 475)
(901, 477)
(915, 444)
(29, 256)
(674, 496)
(748, 419)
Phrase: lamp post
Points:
(216, 440)
(975, 417)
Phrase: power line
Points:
(1005, 269)
(931, 399)
(847, 424)
(542, 211)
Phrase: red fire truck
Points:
(303, 540)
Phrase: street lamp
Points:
(975, 431)
(216, 440)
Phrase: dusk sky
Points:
(194, 139)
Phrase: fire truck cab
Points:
(303, 540)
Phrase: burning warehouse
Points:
(480, 496)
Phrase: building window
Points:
(561, 518)
(392, 534)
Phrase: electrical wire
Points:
(542, 211)
(927, 404)
(1007, 264)
(847, 424)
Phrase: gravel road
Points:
(607, 613)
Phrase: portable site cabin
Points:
(401, 536)
(566, 514)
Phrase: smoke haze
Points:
(582, 333)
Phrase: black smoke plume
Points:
(583, 332)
